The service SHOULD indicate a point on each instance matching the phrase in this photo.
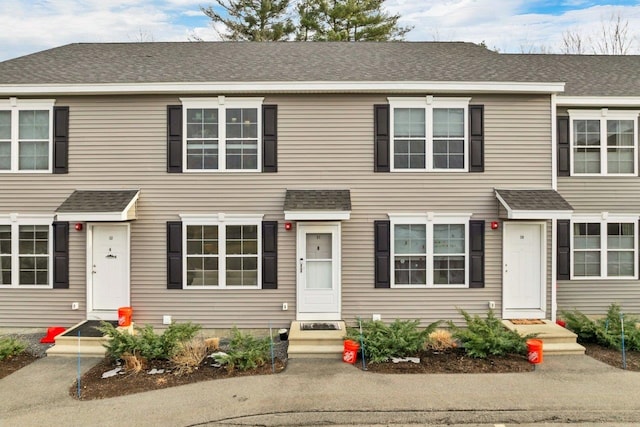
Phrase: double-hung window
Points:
(222, 134)
(429, 251)
(604, 248)
(604, 142)
(222, 251)
(429, 134)
(26, 135)
(25, 251)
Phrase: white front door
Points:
(108, 270)
(524, 267)
(318, 272)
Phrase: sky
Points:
(515, 26)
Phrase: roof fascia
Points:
(283, 87)
(597, 101)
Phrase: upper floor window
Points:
(25, 251)
(604, 248)
(429, 134)
(604, 142)
(222, 134)
(429, 252)
(26, 135)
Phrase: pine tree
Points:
(253, 20)
(347, 20)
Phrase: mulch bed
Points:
(93, 386)
(454, 361)
(613, 357)
(14, 363)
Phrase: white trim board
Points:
(186, 88)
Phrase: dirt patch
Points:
(11, 364)
(454, 361)
(93, 386)
(613, 357)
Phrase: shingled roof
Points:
(97, 201)
(221, 62)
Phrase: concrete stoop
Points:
(556, 340)
(316, 344)
(68, 344)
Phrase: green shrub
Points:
(145, 342)
(484, 337)
(245, 352)
(11, 347)
(398, 339)
(606, 331)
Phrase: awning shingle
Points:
(96, 205)
(534, 204)
(323, 204)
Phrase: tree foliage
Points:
(347, 20)
(315, 20)
(252, 20)
(612, 39)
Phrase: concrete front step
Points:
(302, 351)
(561, 349)
(556, 339)
(315, 343)
(70, 345)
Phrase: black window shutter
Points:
(476, 254)
(382, 237)
(564, 152)
(382, 137)
(563, 263)
(60, 255)
(60, 139)
(269, 138)
(174, 138)
(270, 255)
(476, 138)
(174, 255)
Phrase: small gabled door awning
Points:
(317, 205)
(99, 205)
(534, 204)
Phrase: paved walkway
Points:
(565, 389)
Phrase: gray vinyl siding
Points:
(594, 195)
(323, 142)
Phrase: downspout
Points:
(554, 221)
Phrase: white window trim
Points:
(15, 105)
(221, 103)
(428, 103)
(603, 219)
(430, 219)
(15, 221)
(221, 220)
(603, 115)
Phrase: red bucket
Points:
(124, 316)
(534, 348)
(350, 351)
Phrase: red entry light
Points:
(494, 225)
(78, 226)
(288, 226)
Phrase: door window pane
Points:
(319, 246)
(319, 274)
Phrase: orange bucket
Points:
(534, 348)
(350, 351)
(124, 316)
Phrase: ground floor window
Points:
(604, 248)
(222, 254)
(429, 252)
(25, 253)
